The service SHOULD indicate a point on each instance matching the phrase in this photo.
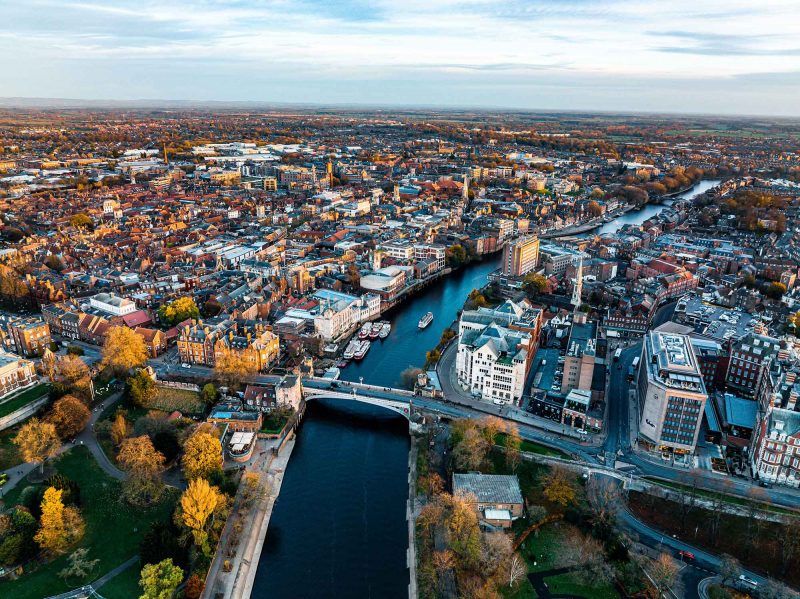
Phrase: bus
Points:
(617, 354)
(635, 363)
(632, 371)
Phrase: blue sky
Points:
(711, 56)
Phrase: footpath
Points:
(237, 581)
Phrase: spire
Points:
(465, 189)
(396, 194)
(578, 286)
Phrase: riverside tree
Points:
(37, 441)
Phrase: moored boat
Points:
(351, 349)
(375, 330)
(386, 328)
(425, 320)
(366, 329)
(362, 350)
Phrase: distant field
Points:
(183, 400)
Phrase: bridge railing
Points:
(351, 384)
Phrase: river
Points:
(406, 344)
(338, 528)
(635, 217)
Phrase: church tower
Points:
(578, 286)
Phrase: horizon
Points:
(617, 56)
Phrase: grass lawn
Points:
(183, 400)
(567, 584)
(23, 399)
(532, 447)
(113, 529)
(124, 585)
(9, 453)
(274, 422)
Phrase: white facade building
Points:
(340, 312)
(112, 304)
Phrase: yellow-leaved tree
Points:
(37, 441)
(198, 502)
(202, 455)
(60, 526)
(123, 350)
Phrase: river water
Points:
(635, 217)
(338, 528)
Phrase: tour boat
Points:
(386, 328)
(366, 329)
(350, 350)
(362, 350)
(375, 330)
(425, 320)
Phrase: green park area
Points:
(185, 401)
(22, 399)
(114, 529)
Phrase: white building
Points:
(423, 251)
(399, 249)
(340, 312)
(493, 359)
(112, 304)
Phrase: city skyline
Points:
(731, 58)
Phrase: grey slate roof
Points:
(489, 488)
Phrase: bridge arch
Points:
(399, 407)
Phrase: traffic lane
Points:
(618, 426)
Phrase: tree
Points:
(119, 430)
(517, 569)
(80, 221)
(471, 451)
(79, 566)
(70, 416)
(142, 389)
(775, 290)
(231, 368)
(534, 284)
(16, 537)
(513, 444)
(594, 209)
(559, 486)
(181, 309)
(71, 375)
(144, 464)
(455, 255)
(772, 589)
(202, 455)
(37, 441)
(194, 587)
(209, 394)
(409, 376)
(197, 503)
(59, 526)
(162, 541)
(123, 350)
(161, 580)
(729, 568)
(463, 532)
(663, 572)
(496, 549)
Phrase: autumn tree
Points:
(37, 441)
(202, 455)
(144, 464)
(471, 451)
(463, 531)
(69, 415)
(534, 284)
(60, 526)
(197, 503)
(775, 290)
(142, 389)
(161, 580)
(194, 587)
(181, 309)
(123, 350)
(231, 367)
(80, 221)
(559, 486)
(513, 443)
(119, 430)
(663, 572)
(70, 374)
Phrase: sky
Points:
(687, 56)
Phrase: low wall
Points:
(23, 413)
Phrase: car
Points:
(184, 365)
(498, 402)
(686, 555)
(747, 581)
(764, 484)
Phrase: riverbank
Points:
(237, 581)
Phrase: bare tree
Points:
(517, 569)
(729, 568)
(663, 572)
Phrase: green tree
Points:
(161, 580)
(181, 309)
(209, 394)
(142, 389)
(455, 256)
(534, 284)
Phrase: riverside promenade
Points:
(237, 582)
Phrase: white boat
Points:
(351, 348)
(362, 350)
(386, 328)
(425, 320)
(366, 329)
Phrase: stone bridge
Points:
(396, 400)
